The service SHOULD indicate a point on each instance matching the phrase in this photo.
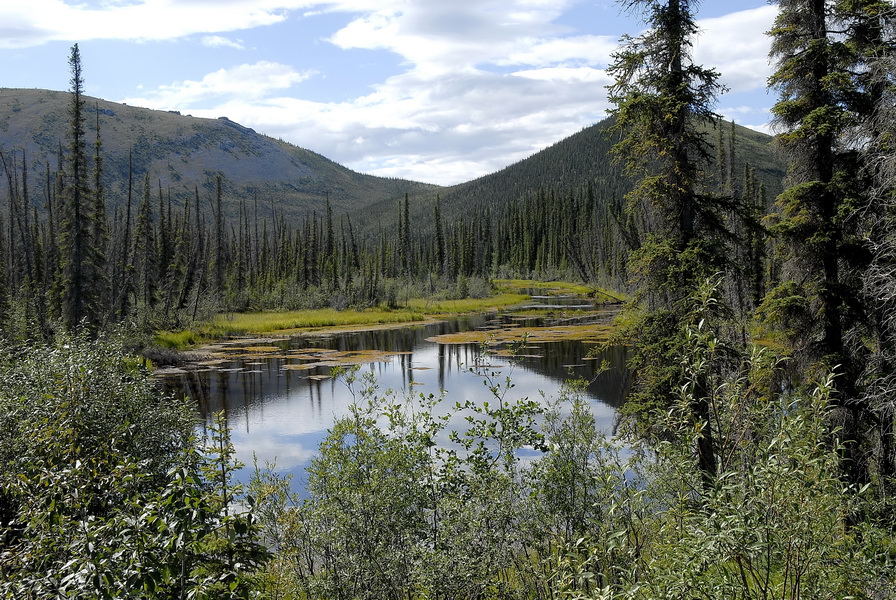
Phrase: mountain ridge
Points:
(183, 155)
(584, 159)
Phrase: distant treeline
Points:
(165, 261)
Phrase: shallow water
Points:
(281, 415)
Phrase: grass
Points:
(431, 307)
(556, 287)
(250, 323)
(178, 340)
(266, 322)
(417, 309)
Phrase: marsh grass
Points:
(557, 287)
(434, 307)
(236, 324)
(510, 294)
(266, 322)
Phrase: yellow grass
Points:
(253, 323)
(417, 310)
(432, 307)
(266, 322)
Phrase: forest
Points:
(754, 458)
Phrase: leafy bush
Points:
(777, 521)
(400, 506)
(104, 491)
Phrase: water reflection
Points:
(283, 415)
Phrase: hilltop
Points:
(585, 158)
(181, 153)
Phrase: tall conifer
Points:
(663, 101)
(99, 248)
(823, 50)
(77, 284)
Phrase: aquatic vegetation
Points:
(594, 332)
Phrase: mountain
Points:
(583, 158)
(182, 153)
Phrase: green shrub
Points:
(104, 490)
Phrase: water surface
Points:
(281, 415)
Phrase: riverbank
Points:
(508, 294)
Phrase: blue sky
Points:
(441, 91)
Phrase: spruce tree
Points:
(218, 282)
(99, 228)
(440, 239)
(870, 28)
(145, 251)
(663, 105)
(77, 280)
(821, 50)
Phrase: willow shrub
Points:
(408, 498)
(778, 522)
(104, 491)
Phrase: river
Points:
(279, 400)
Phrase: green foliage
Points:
(400, 506)
(79, 277)
(171, 266)
(661, 100)
(663, 270)
(663, 111)
(778, 521)
(104, 491)
(831, 93)
(404, 503)
(786, 309)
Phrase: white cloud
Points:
(736, 45)
(588, 49)
(566, 74)
(250, 82)
(39, 21)
(452, 115)
(217, 41)
(445, 132)
(481, 84)
(437, 37)
(766, 128)
(743, 112)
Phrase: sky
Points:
(440, 91)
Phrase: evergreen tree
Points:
(871, 29)
(220, 243)
(440, 239)
(821, 97)
(404, 237)
(99, 227)
(77, 283)
(125, 269)
(663, 105)
(145, 250)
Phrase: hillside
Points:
(181, 153)
(584, 157)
